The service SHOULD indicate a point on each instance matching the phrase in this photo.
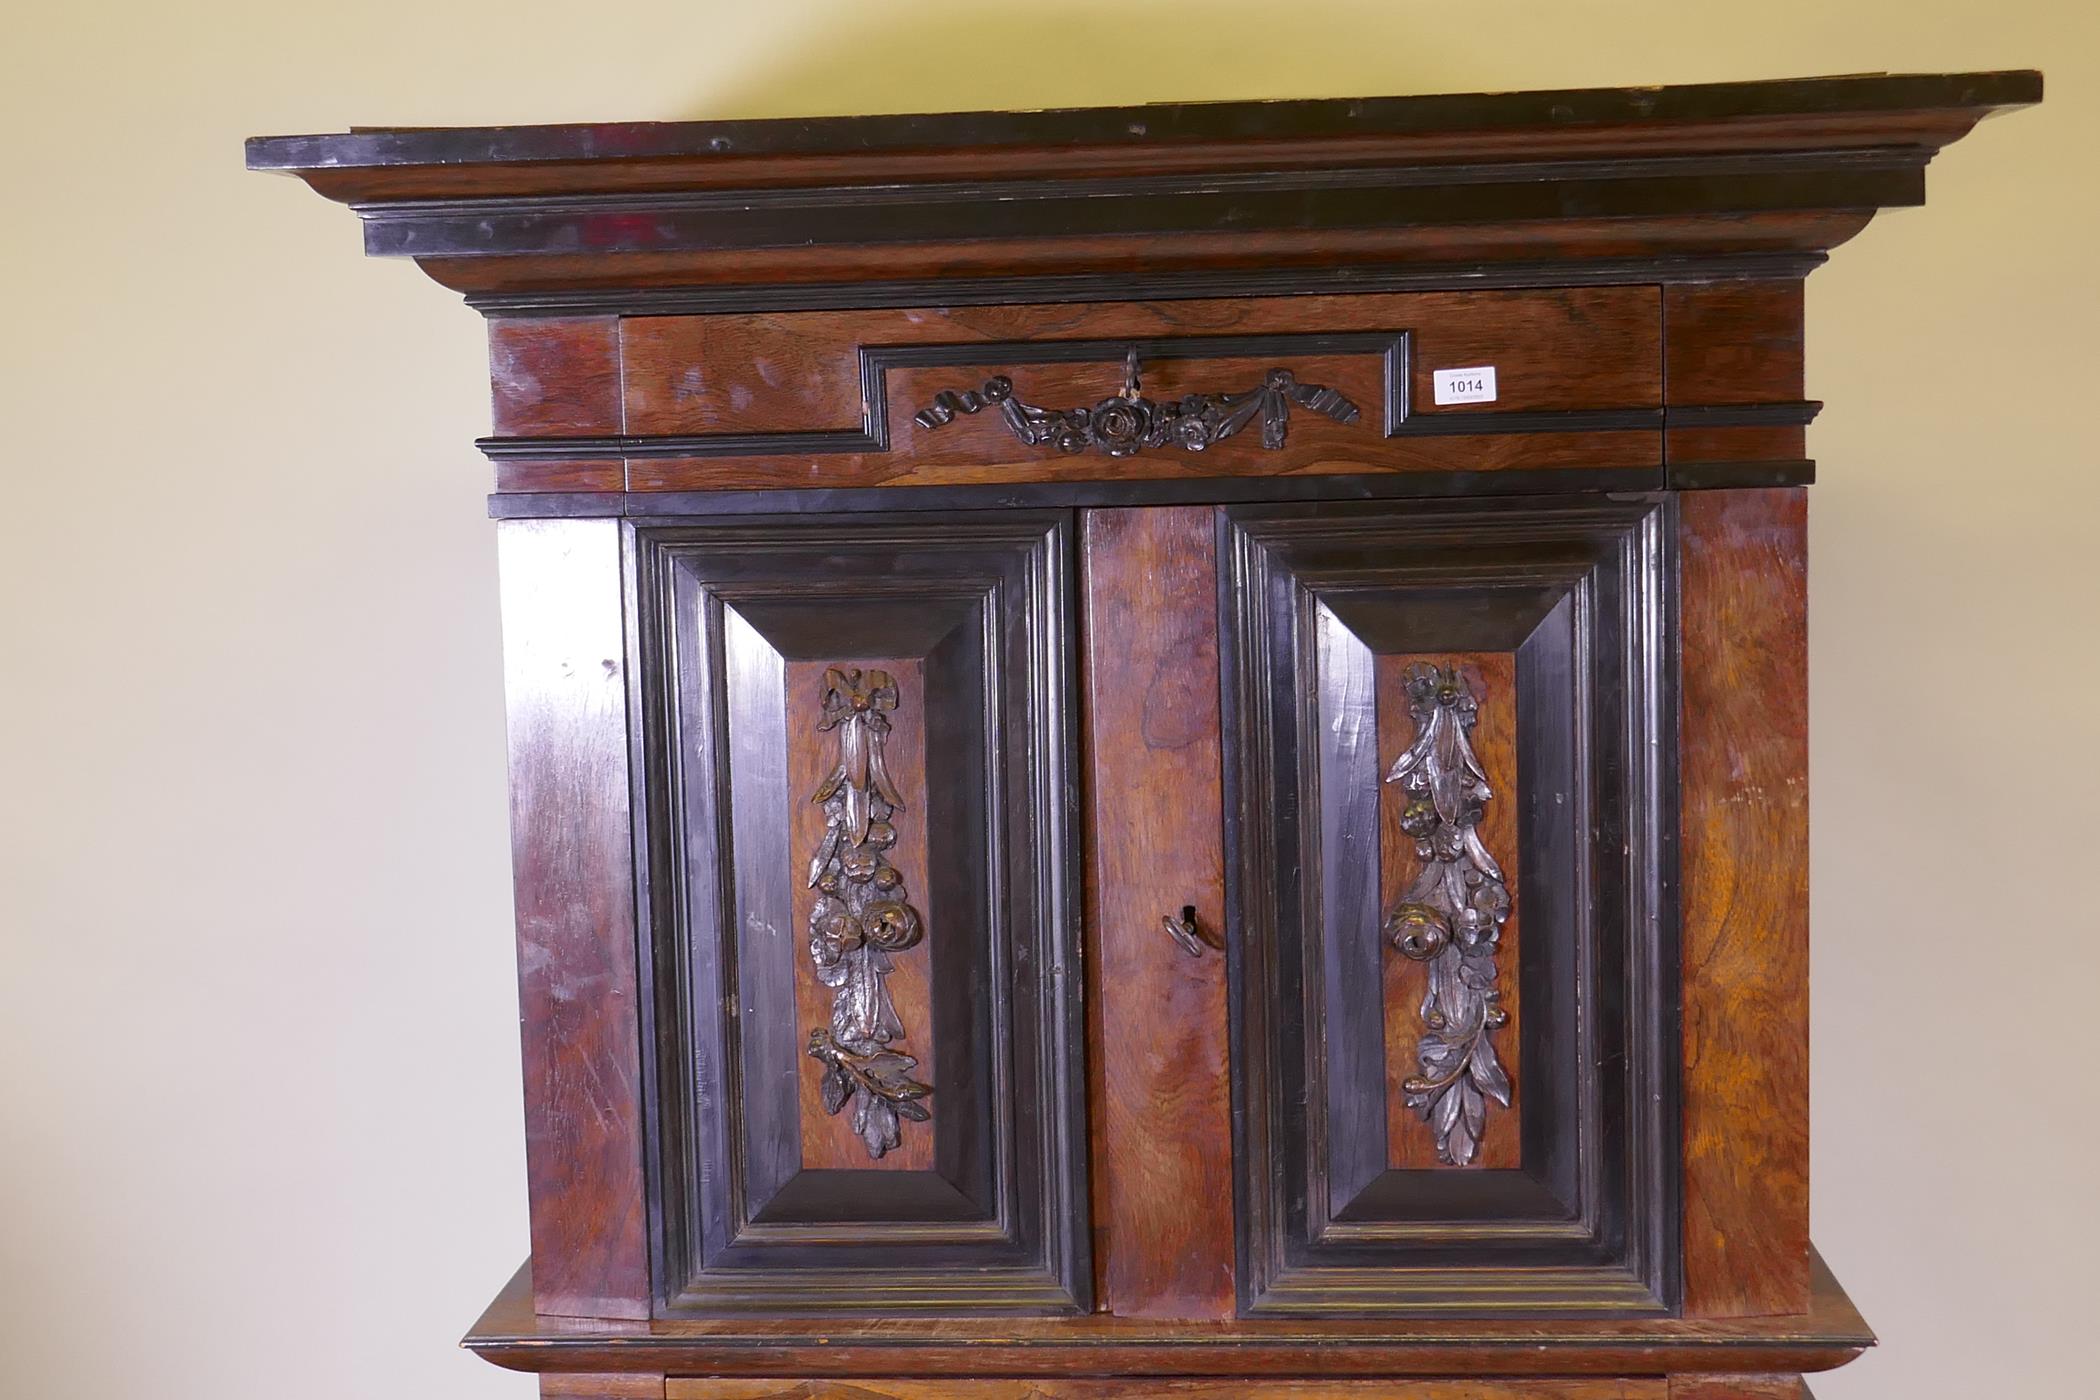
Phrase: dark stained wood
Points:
(1864, 110)
(999, 462)
(555, 477)
(1659, 170)
(1744, 761)
(1577, 348)
(557, 376)
(1316, 253)
(1410, 1144)
(1162, 1133)
(1646, 1388)
(1828, 1334)
(1732, 342)
(828, 1139)
(565, 683)
(1783, 444)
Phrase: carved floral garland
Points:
(1451, 917)
(861, 917)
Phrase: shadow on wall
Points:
(946, 57)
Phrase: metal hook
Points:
(1130, 375)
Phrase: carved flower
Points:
(1121, 425)
(891, 924)
(1192, 431)
(1419, 931)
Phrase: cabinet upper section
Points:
(1260, 191)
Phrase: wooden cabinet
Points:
(1162, 751)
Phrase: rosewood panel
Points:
(571, 850)
(1319, 602)
(1744, 728)
(901, 673)
(1162, 1142)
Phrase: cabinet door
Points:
(867, 1092)
(1449, 757)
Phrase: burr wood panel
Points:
(1162, 1163)
(565, 673)
(760, 1210)
(1744, 730)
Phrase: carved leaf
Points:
(836, 1088)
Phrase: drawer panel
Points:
(898, 396)
(1596, 347)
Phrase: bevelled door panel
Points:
(867, 1092)
(1450, 755)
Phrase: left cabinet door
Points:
(855, 737)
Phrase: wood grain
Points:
(1571, 348)
(1099, 1344)
(1779, 444)
(1732, 342)
(572, 855)
(1646, 1388)
(563, 1385)
(1410, 1142)
(542, 476)
(555, 376)
(1738, 1388)
(1686, 235)
(997, 458)
(1158, 1053)
(1873, 110)
(828, 1139)
(1744, 765)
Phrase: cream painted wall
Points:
(259, 1133)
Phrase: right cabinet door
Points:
(1449, 751)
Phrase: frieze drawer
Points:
(1122, 390)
